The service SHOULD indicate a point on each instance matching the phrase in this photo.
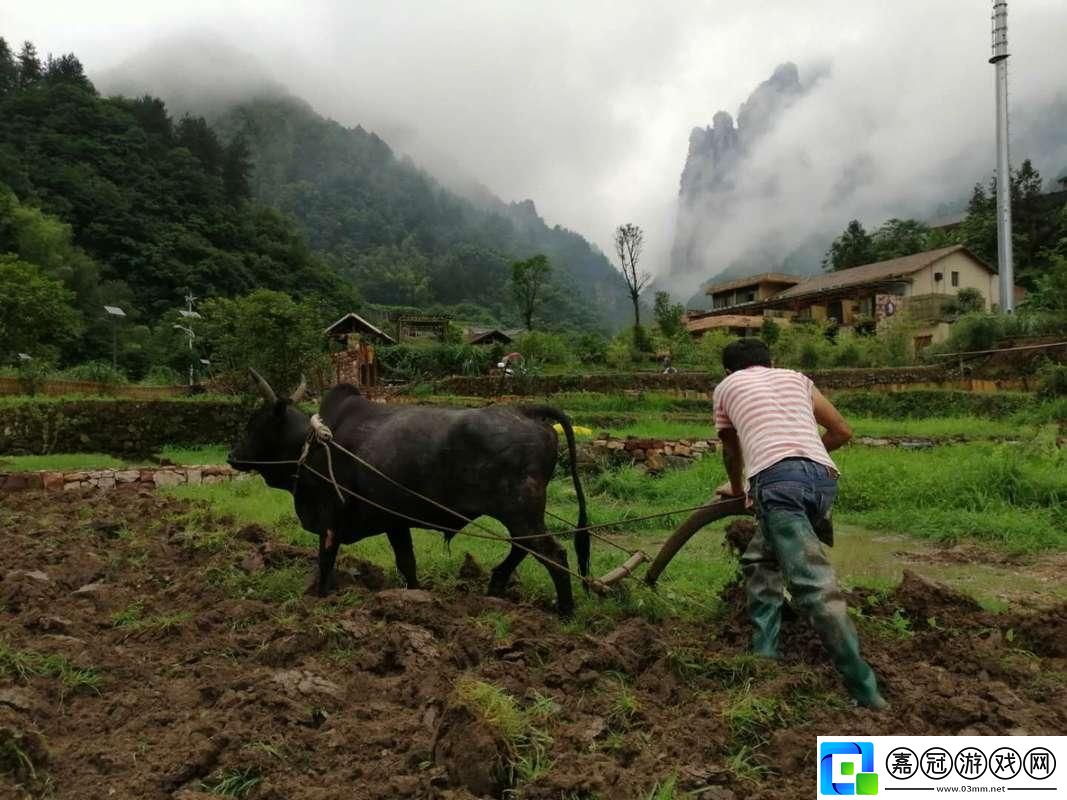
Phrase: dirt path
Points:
(144, 654)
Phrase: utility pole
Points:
(1005, 266)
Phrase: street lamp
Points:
(115, 313)
(192, 335)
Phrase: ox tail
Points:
(581, 536)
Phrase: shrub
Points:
(162, 375)
(590, 348)
(621, 353)
(641, 340)
(1053, 380)
(976, 331)
(417, 361)
(709, 350)
(548, 348)
(96, 371)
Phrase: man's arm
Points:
(838, 432)
(734, 463)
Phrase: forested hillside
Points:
(160, 204)
(401, 237)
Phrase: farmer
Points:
(766, 420)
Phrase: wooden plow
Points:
(732, 507)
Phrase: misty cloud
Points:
(587, 107)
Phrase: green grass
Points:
(68, 462)
(22, 665)
(237, 783)
(204, 454)
(526, 744)
(65, 462)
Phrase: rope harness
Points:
(321, 434)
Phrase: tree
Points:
(529, 281)
(629, 242)
(899, 237)
(851, 249)
(29, 65)
(35, 310)
(668, 315)
(9, 71)
(235, 170)
(67, 69)
(770, 331)
(267, 330)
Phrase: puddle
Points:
(870, 558)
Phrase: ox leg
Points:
(329, 544)
(404, 553)
(548, 551)
(501, 574)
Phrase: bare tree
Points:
(529, 283)
(629, 241)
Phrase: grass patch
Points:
(62, 462)
(130, 619)
(279, 585)
(23, 665)
(526, 744)
(496, 621)
(203, 454)
(237, 783)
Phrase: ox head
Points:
(275, 432)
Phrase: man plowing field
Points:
(768, 422)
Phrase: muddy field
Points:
(145, 654)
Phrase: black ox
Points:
(493, 462)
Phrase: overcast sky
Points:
(586, 107)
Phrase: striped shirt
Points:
(771, 409)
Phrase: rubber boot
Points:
(764, 589)
(815, 593)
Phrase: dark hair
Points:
(745, 353)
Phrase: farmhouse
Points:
(354, 362)
(491, 336)
(861, 298)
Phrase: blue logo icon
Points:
(846, 780)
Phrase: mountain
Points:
(400, 235)
(715, 160)
(160, 204)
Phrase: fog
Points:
(587, 107)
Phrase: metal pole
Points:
(1005, 265)
(114, 343)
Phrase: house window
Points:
(955, 279)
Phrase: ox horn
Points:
(263, 387)
(300, 391)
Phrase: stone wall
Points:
(118, 427)
(151, 477)
(654, 455)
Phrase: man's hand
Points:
(727, 492)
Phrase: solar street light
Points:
(115, 313)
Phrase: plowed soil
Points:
(189, 686)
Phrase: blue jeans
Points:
(792, 498)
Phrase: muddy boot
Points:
(765, 591)
(812, 584)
